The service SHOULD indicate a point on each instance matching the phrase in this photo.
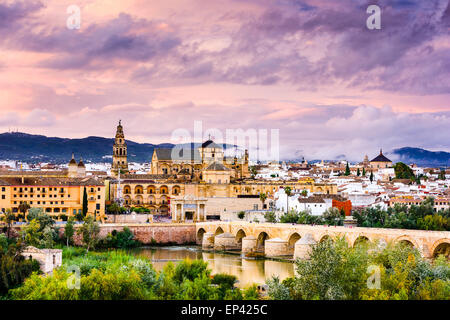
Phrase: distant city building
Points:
(380, 161)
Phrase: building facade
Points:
(55, 195)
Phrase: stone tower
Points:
(73, 168)
(81, 169)
(120, 161)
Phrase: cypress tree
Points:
(347, 170)
(364, 172)
(371, 176)
(358, 173)
(85, 202)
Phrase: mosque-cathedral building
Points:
(195, 183)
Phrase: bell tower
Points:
(120, 161)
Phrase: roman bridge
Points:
(276, 239)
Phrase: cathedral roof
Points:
(210, 144)
(380, 158)
(81, 164)
(73, 161)
(166, 154)
(216, 166)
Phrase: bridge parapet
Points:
(427, 242)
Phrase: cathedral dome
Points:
(81, 164)
(72, 161)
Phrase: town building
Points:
(380, 161)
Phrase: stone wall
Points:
(129, 218)
(162, 233)
(224, 205)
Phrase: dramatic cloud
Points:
(310, 68)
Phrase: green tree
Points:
(32, 233)
(334, 271)
(347, 170)
(333, 216)
(358, 173)
(115, 209)
(14, 268)
(23, 207)
(402, 171)
(85, 202)
(89, 231)
(270, 217)
(9, 218)
(262, 197)
(371, 176)
(69, 230)
(288, 192)
(41, 217)
(364, 172)
(253, 171)
(241, 215)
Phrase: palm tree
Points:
(288, 192)
(262, 197)
(23, 207)
(115, 209)
(8, 217)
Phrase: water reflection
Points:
(246, 271)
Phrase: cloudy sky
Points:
(309, 68)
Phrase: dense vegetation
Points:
(336, 271)
(402, 171)
(331, 216)
(14, 268)
(421, 217)
(117, 275)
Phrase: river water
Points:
(247, 271)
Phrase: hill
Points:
(37, 148)
(422, 157)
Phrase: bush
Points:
(123, 239)
(241, 215)
(14, 269)
(270, 217)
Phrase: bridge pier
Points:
(248, 244)
(276, 247)
(225, 241)
(208, 240)
(303, 246)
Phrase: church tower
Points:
(120, 161)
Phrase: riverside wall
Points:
(153, 233)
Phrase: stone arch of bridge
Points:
(293, 238)
(442, 246)
(360, 239)
(200, 233)
(218, 231)
(407, 240)
(239, 236)
(261, 240)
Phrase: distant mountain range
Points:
(422, 157)
(38, 148)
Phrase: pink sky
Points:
(308, 68)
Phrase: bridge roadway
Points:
(276, 239)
